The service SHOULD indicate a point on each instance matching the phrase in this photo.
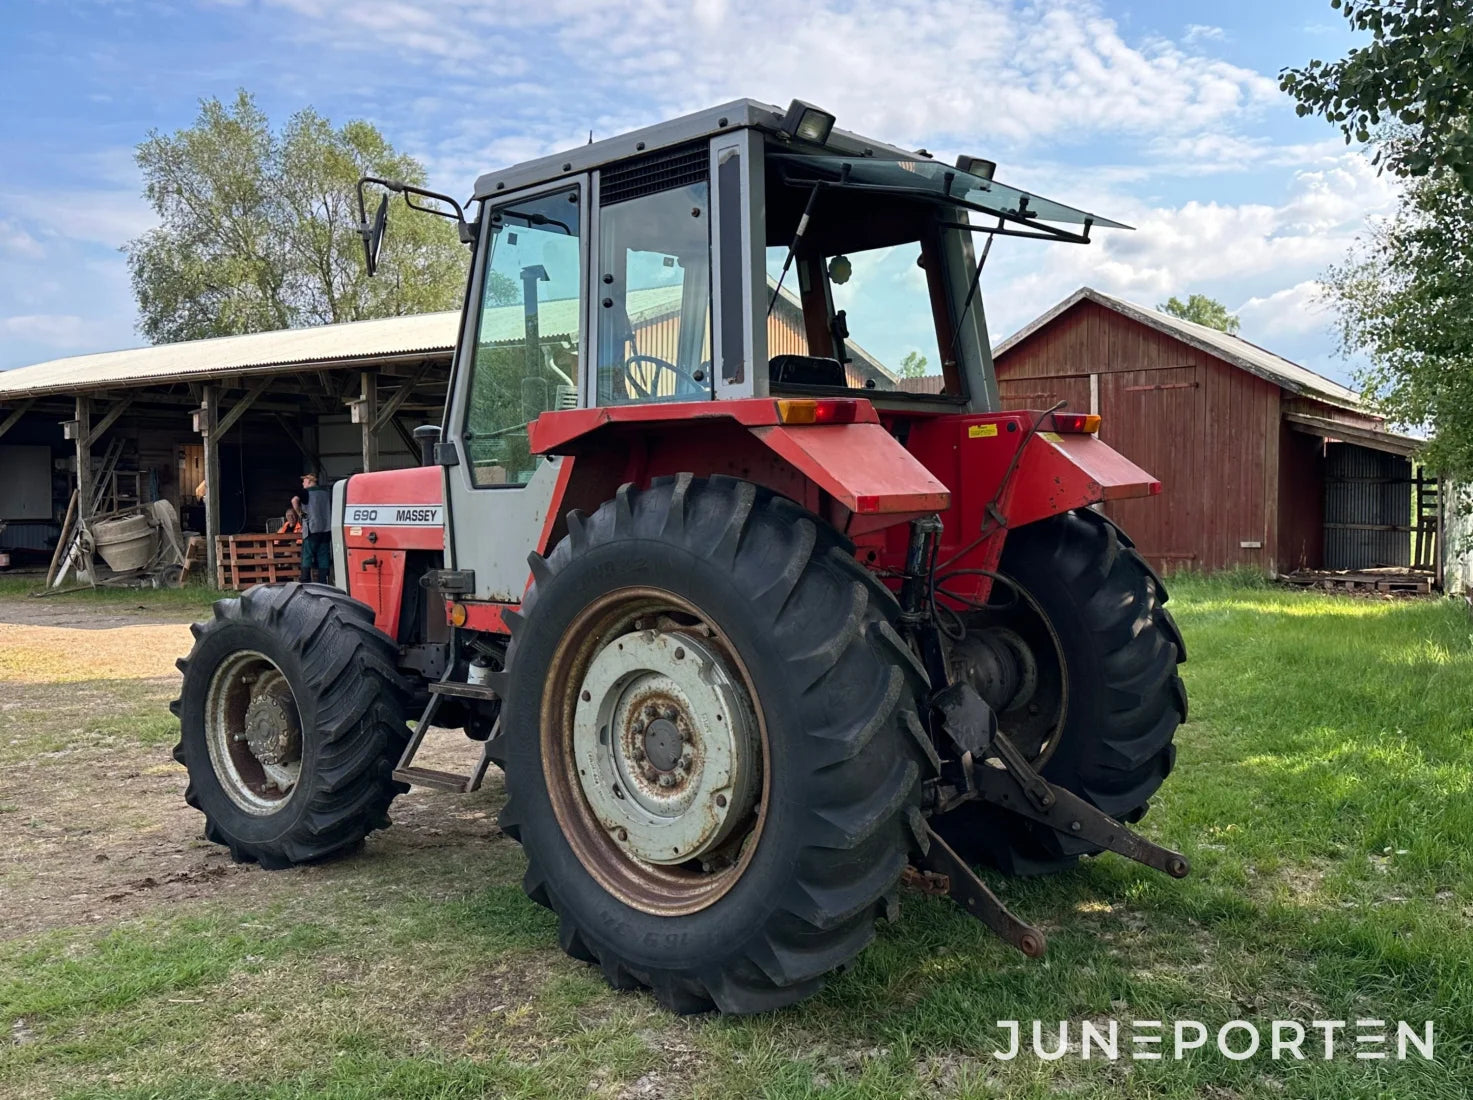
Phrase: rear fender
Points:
(995, 488)
(854, 474)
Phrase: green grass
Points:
(1322, 792)
(186, 598)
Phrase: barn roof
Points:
(1232, 349)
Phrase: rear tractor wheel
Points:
(292, 717)
(711, 745)
(1078, 656)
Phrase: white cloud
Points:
(1203, 32)
(62, 331)
(1249, 252)
(919, 70)
(1297, 310)
(16, 242)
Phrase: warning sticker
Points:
(1052, 437)
(981, 431)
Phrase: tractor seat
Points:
(806, 370)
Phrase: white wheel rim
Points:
(666, 746)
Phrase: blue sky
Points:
(1162, 115)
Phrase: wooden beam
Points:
(368, 419)
(83, 442)
(110, 419)
(209, 412)
(295, 435)
(406, 437)
(14, 418)
(255, 390)
(401, 395)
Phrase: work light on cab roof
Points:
(758, 625)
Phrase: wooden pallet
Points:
(244, 561)
(1395, 580)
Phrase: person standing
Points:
(315, 508)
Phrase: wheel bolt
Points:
(667, 780)
(721, 801)
(621, 835)
(679, 654)
(639, 725)
(686, 757)
(651, 711)
(671, 714)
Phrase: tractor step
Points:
(432, 777)
(429, 777)
(464, 691)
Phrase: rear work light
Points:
(816, 412)
(1076, 422)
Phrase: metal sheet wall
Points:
(1368, 508)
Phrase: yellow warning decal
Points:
(1052, 437)
(981, 431)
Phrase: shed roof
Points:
(415, 337)
(1233, 349)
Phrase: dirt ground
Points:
(91, 801)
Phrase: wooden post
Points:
(83, 441)
(368, 419)
(209, 414)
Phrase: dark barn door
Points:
(1368, 508)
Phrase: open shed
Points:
(248, 415)
(1263, 463)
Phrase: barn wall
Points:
(1209, 431)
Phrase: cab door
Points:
(524, 338)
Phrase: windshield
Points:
(927, 177)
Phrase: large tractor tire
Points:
(292, 717)
(1105, 697)
(712, 745)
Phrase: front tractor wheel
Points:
(1078, 655)
(291, 717)
(711, 745)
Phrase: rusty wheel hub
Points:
(253, 732)
(666, 746)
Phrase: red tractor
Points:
(757, 627)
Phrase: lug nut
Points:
(671, 714)
(621, 835)
(651, 711)
(721, 801)
(667, 780)
(686, 757)
(679, 654)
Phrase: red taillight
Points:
(1076, 422)
(803, 411)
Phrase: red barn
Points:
(1263, 463)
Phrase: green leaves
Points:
(1203, 311)
(258, 228)
(1418, 69)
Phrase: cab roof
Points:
(727, 117)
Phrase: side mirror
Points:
(373, 235)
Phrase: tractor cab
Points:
(737, 253)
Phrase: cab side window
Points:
(654, 306)
(526, 354)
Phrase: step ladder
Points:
(432, 777)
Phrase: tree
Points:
(1405, 298)
(1203, 310)
(258, 229)
(913, 365)
(1410, 91)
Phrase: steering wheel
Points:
(647, 393)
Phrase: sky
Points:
(1163, 115)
